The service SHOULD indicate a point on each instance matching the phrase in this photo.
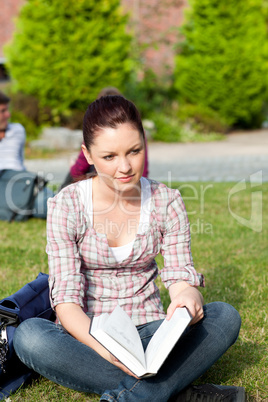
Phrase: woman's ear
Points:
(87, 154)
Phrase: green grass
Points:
(232, 256)
(45, 153)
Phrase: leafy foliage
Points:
(149, 94)
(171, 129)
(223, 60)
(202, 118)
(65, 51)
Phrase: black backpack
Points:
(32, 300)
(18, 190)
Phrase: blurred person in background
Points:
(12, 139)
(12, 143)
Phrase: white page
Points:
(99, 321)
(121, 328)
(165, 338)
(119, 352)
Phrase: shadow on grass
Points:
(232, 367)
(236, 360)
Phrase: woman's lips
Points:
(125, 179)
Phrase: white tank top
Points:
(122, 252)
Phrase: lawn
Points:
(229, 246)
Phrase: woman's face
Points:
(118, 156)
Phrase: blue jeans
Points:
(51, 351)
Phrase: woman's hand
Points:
(113, 360)
(184, 295)
(77, 324)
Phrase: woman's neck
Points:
(109, 195)
(116, 214)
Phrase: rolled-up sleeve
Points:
(176, 246)
(66, 282)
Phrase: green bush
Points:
(27, 105)
(170, 129)
(202, 118)
(65, 51)
(223, 60)
(32, 131)
(149, 94)
(73, 119)
(167, 129)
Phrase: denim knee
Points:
(227, 317)
(26, 339)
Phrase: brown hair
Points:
(4, 100)
(109, 111)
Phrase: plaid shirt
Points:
(83, 269)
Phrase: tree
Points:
(223, 60)
(65, 51)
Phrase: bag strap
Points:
(3, 345)
(6, 318)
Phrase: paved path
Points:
(240, 156)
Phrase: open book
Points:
(117, 333)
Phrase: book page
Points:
(165, 338)
(99, 321)
(119, 352)
(120, 327)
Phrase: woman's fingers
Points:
(198, 316)
(120, 365)
(190, 298)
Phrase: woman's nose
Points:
(124, 165)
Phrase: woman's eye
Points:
(108, 157)
(135, 151)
